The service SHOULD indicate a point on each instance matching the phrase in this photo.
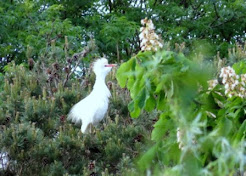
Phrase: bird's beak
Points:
(110, 65)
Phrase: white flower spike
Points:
(150, 41)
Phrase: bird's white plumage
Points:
(93, 108)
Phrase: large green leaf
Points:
(161, 101)
(141, 98)
(161, 127)
(134, 109)
(241, 133)
(150, 103)
(123, 72)
(145, 161)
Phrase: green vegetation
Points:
(178, 98)
(199, 131)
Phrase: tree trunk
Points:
(118, 53)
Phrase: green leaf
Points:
(241, 133)
(159, 87)
(161, 127)
(141, 98)
(134, 109)
(150, 103)
(139, 82)
(146, 160)
(240, 67)
(225, 126)
(131, 81)
(122, 74)
(161, 101)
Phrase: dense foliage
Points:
(199, 131)
(176, 109)
(39, 140)
(27, 26)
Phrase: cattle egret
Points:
(92, 109)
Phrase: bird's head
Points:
(102, 68)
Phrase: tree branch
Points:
(82, 54)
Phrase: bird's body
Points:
(92, 109)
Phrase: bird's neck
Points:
(100, 82)
(100, 79)
(101, 87)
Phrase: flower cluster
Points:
(179, 137)
(150, 41)
(243, 79)
(242, 86)
(233, 86)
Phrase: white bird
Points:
(92, 109)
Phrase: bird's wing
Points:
(100, 111)
(90, 110)
(82, 111)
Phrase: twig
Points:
(78, 55)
